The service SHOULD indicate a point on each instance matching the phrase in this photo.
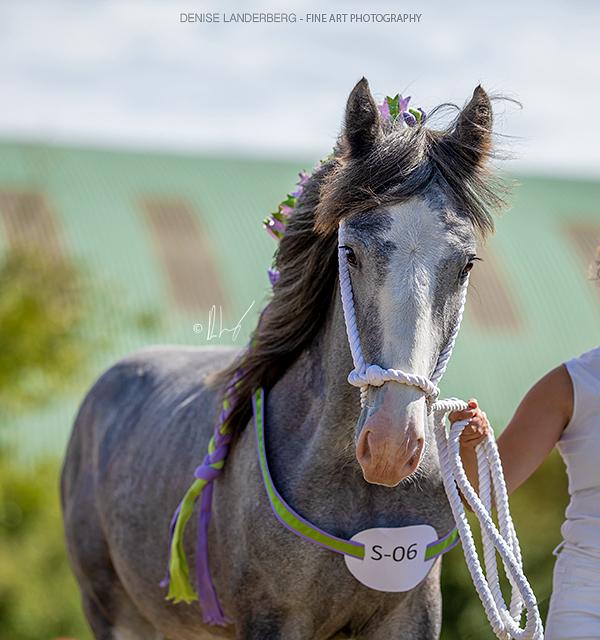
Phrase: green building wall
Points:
(166, 237)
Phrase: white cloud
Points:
(128, 73)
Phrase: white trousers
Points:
(574, 612)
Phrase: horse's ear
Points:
(472, 136)
(362, 124)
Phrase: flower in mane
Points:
(397, 107)
(403, 161)
(391, 109)
(275, 223)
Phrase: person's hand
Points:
(478, 428)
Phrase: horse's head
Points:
(414, 203)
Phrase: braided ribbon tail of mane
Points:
(178, 575)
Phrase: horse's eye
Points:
(351, 257)
(467, 268)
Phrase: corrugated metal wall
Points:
(167, 237)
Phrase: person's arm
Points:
(530, 436)
(536, 426)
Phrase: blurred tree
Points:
(38, 596)
(53, 320)
(45, 307)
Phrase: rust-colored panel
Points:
(186, 255)
(491, 306)
(585, 237)
(29, 223)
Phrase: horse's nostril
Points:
(414, 460)
(368, 447)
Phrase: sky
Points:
(130, 74)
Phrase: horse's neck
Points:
(314, 394)
(312, 414)
(311, 418)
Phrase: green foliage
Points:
(44, 310)
(53, 320)
(38, 596)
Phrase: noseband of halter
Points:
(364, 375)
(375, 376)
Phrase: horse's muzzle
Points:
(389, 450)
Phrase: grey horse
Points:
(416, 202)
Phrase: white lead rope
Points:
(504, 620)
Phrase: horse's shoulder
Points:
(146, 392)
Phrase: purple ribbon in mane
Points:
(210, 468)
(208, 471)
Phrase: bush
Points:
(45, 308)
(39, 599)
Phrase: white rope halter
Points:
(505, 621)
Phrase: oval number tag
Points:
(394, 557)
